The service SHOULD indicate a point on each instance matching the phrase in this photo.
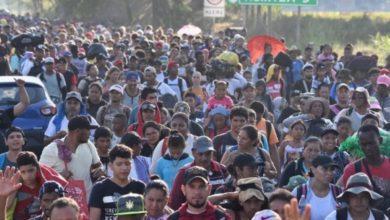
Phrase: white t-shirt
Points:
(51, 128)
(157, 152)
(325, 203)
(85, 155)
(160, 76)
(332, 216)
(174, 84)
(163, 89)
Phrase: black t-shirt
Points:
(222, 143)
(93, 108)
(106, 193)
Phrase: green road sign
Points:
(278, 2)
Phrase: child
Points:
(168, 166)
(319, 78)
(220, 98)
(103, 138)
(275, 83)
(219, 122)
(248, 75)
(330, 148)
(291, 148)
(344, 127)
(140, 163)
(196, 106)
(33, 176)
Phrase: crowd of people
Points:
(157, 125)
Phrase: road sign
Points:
(214, 8)
(278, 2)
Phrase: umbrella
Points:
(189, 29)
(257, 44)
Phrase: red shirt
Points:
(217, 178)
(209, 214)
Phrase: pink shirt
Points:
(225, 102)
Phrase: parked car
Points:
(35, 118)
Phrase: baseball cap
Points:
(196, 172)
(116, 87)
(51, 186)
(73, 94)
(324, 160)
(383, 80)
(67, 53)
(203, 144)
(250, 187)
(49, 60)
(248, 85)
(266, 214)
(329, 131)
(148, 106)
(342, 85)
(164, 60)
(79, 122)
(307, 66)
(130, 204)
(295, 181)
(150, 69)
(245, 159)
(132, 75)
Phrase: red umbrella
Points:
(257, 44)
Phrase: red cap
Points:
(171, 64)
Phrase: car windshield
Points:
(9, 94)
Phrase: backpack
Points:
(219, 215)
(342, 214)
(63, 90)
(180, 84)
(126, 111)
(302, 190)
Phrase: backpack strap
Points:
(358, 166)
(180, 84)
(342, 214)
(335, 191)
(378, 214)
(349, 112)
(174, 216)
(164, 146)
(62, 89)
(301, 190)
(219, 215)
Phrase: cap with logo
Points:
(196, 172)
(130, 204)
